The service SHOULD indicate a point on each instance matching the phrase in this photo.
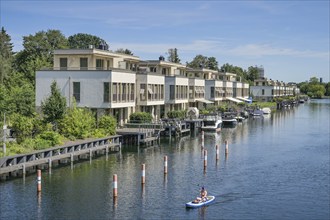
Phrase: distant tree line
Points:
(314, 88)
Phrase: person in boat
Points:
(203, 196)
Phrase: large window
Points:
(99, 64)
(114, 92)
(172, 92)
(106, 92)
(63, 63)
(132, 92)
(83, 63)
(212, 92)
(76, 91)
(124, 92)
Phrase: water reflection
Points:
(272, 161)
(39, 205)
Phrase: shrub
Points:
(140, 117)
(181, 114)
(108, 125)
(77, 123)
(99, 133)
(52, 137)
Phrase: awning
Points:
(205, 101)
(233, 100)
(244, 99)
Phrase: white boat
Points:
(195, 203)
(211, 122)
(266, 110)
(229, 118)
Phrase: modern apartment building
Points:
(267, 90)
(97, 79)
(121, 84)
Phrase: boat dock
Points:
(21, 164)
(140, 135)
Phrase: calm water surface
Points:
(277, 168)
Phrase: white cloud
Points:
(259, 50)
(220, 48)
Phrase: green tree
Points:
(83, 41)
(314, 80)
(327, 89)
(173, 55)
(22, 126)
(78, 123)
(252, 74)
(212, 63)
(313, 88)
(18, 95)
(6, 55)
(38, 52)
(124, 51)
(316, 90)
(43, 44)
(234, 69)
(199, 61)
(54, 107)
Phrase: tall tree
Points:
(6, 55)
(234, 69)
(43, 43)
(212, 63)
(124, 51)
(18, 95)
(252, 73)
(314, 80)
(173, 55)
(327, 89)
(83, 41)
(54, 107)
(38, 52)
(201, 61)
(198, 62)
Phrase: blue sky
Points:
(290, 39)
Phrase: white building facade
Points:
(121, 84)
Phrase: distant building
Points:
(261, 71)
(267, 90)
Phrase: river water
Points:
(277, 168)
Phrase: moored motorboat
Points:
(266, 110)
(211, 122)
(199, 203)
(229, 118)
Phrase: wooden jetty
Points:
(22, 163)
(139, 136)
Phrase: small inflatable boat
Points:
(198, 203)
